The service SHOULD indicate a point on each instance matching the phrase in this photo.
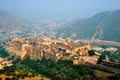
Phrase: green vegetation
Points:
(62, 70)
(102, 57)
(18, 71)
(111, 64)
(3, 52)
(114, 77)
(113, 56)
(91, 52)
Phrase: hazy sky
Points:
(58, 8)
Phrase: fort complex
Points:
(53, 48)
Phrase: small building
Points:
(111, 49)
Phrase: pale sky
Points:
(58, 8)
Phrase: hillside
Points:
(12, 22)
(13, 26)
(104, 25)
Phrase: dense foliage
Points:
(3, 52)
(61, 70)
(18, 71)
(113, 56)
(102, 57)
(91, 52)
(111, 64)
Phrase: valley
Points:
(60, 49)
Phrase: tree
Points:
(114, 77)
(102, 57)
(3, 52)
(91, 52)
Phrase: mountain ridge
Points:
(109, 20)
(10, 21)
(104, 25)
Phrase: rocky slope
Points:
(104, 25)
(12, 22)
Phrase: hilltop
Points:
(9, 21)
(104, 25)
(12, 26)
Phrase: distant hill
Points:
(12, 22)
(104, 25)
